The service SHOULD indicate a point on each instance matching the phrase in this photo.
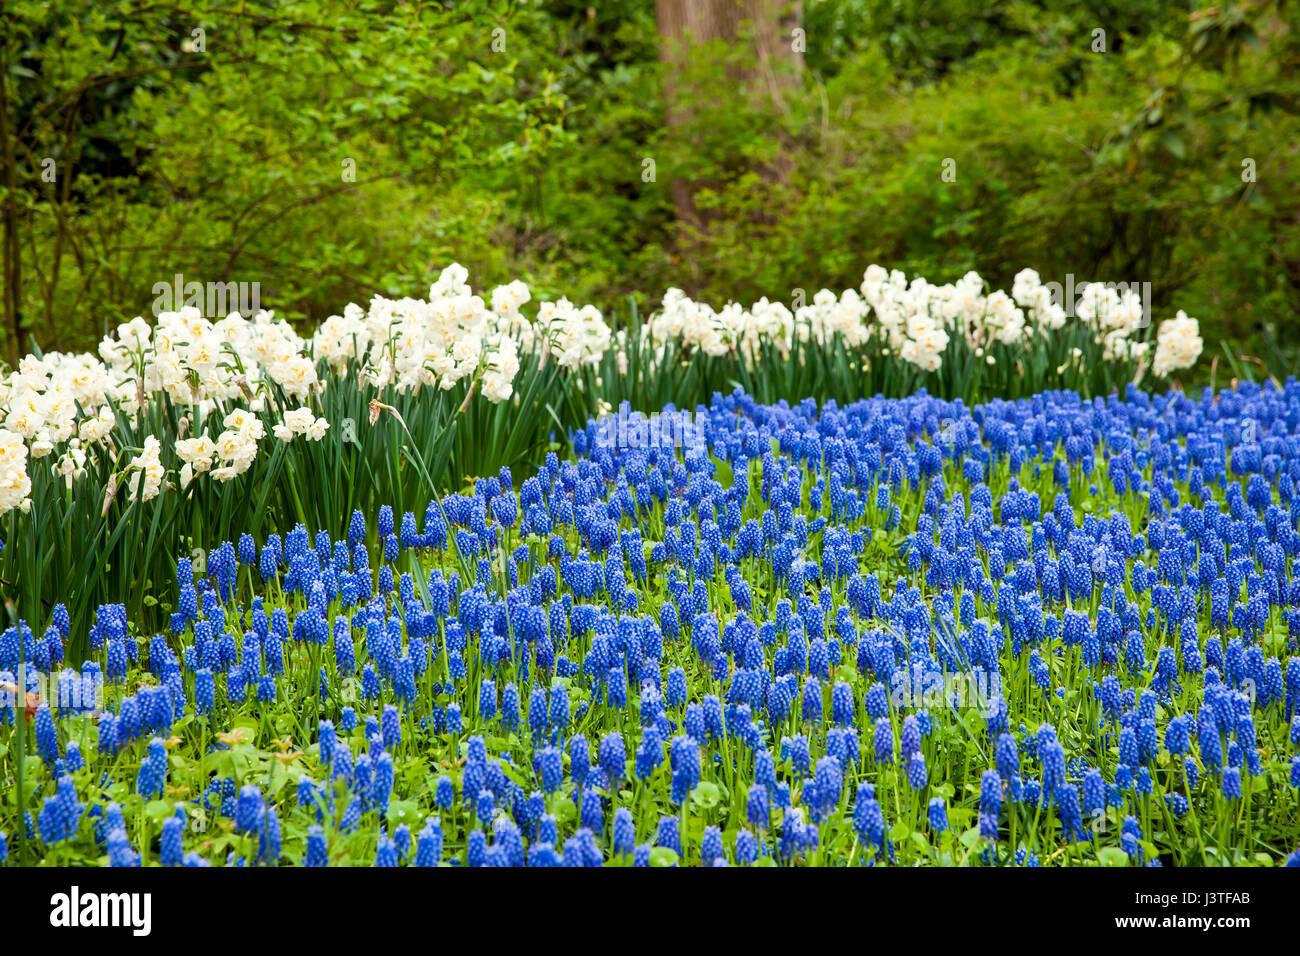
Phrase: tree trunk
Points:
(12, 267)
(772, 66)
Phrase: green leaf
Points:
(663, 856)
(1173, 142)
(706, 795)
(1112, 856)
(159, 809)
(515, 774)
(404, 811)
(722, 472)
(563, 808)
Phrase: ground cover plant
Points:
(1047, 631)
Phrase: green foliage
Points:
(1123, 165)
(313, 147)
(1100, 182)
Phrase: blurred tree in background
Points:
(331, 150)
(314, 147)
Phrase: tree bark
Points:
(773, 65)
(12, 270)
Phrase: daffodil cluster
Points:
(254, 375)
(455, 335)
(916, 321)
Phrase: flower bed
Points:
(1039, 632)
(186, 432)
